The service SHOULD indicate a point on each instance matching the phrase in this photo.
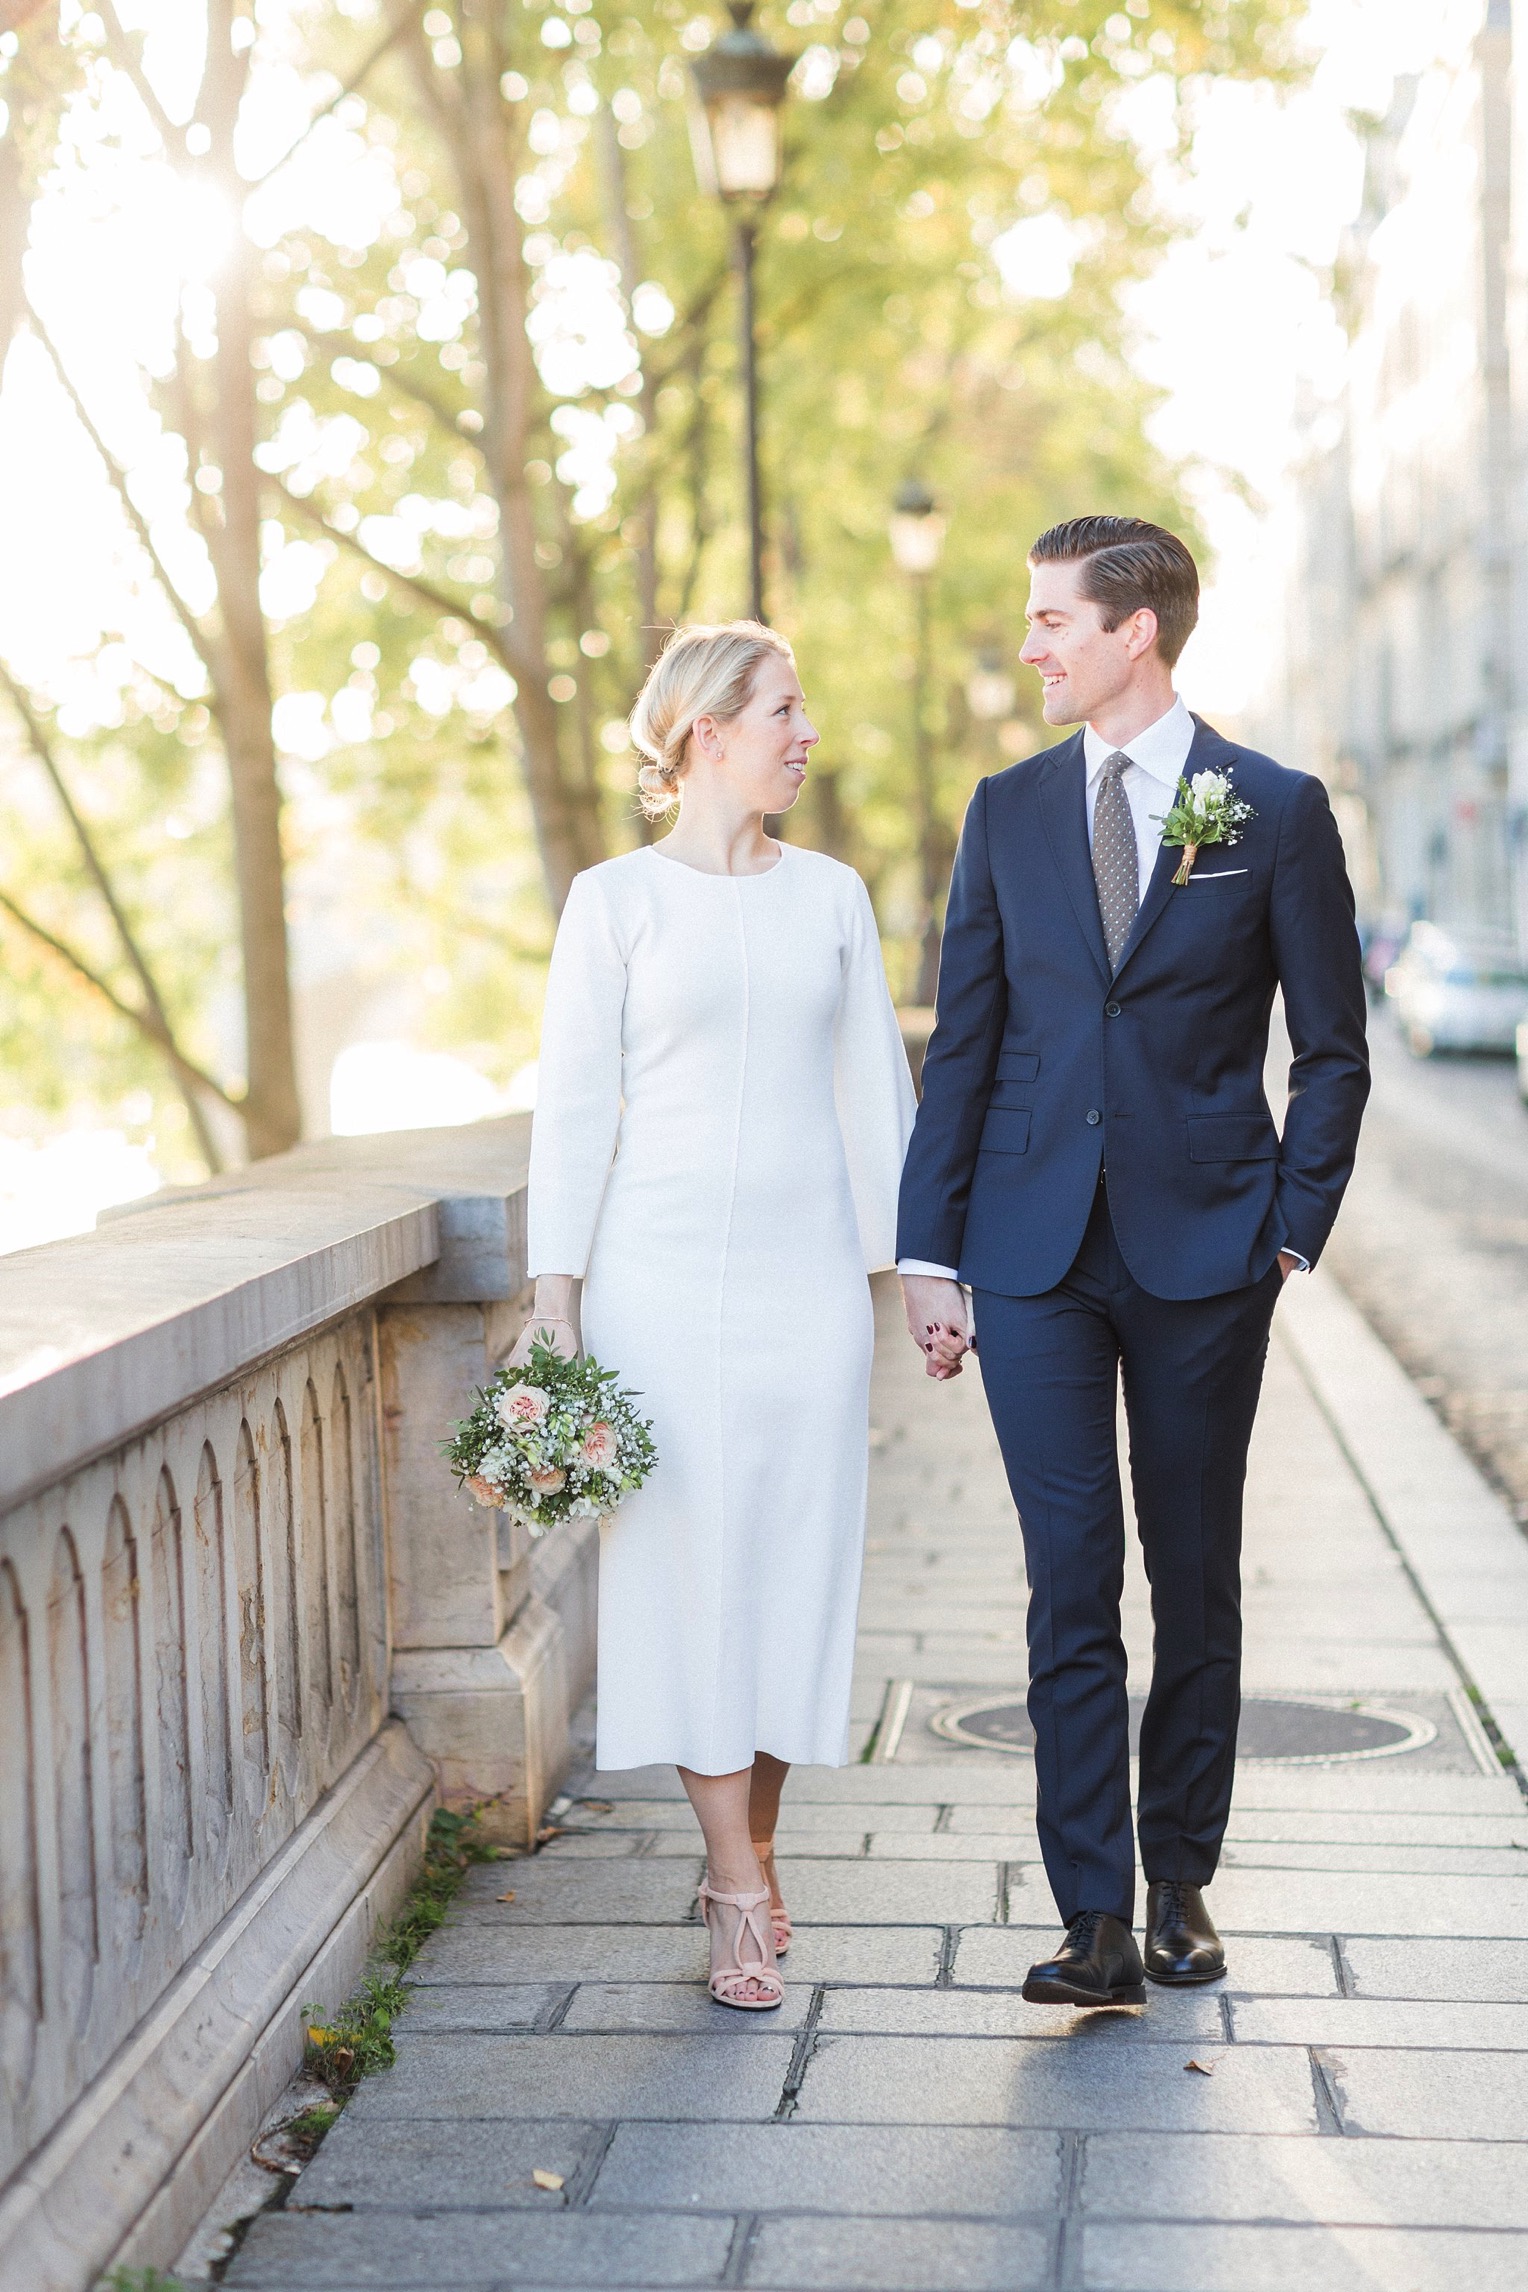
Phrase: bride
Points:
(722, 1112)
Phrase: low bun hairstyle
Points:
(701, 671)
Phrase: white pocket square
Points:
(1220, 875)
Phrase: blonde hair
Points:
(701, 671)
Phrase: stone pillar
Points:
(479, 1662)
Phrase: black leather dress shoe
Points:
(1097, 1965)
(1182, 1945)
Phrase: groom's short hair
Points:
(1129, 563)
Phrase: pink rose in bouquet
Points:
(601, 1445)
(547, 1483)
(521, 1405)
(483, 1492)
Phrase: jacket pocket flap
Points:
(1006, 1130)
(1018, 1066)
(1232, 1138)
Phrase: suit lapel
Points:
(1207, 754)
(1063, 808)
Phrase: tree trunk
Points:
(481, 139)
(238, 659)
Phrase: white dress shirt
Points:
(1150, 781)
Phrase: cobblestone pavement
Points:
(1348, 2110)
(1433, 1242)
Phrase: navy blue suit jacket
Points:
(1042, 1068)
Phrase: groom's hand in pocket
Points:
(938, 1321)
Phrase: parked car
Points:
(1460, 991)
(1382, 943)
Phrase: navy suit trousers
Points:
(1192, 1371)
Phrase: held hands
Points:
(939, 1323)
(553, 1321)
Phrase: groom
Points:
(1095, 1158)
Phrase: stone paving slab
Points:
(1383, 1829)
(1450, 1969)
(907, 2123)
(655, 1894)
(1432, 2095)
(1144, 2257)
(895, 1894)
(1280, 2177)
(1378, 2021)
(292, 2253)
(423, 2164)
(1390, 1861)
(575, 2076)
(1070, 2085)
(477, 1953)
(905, 2169)
(900, 2256)
(1350, 1902)
(499, 2009)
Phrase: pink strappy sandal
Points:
(759, 1970)
(779, 1917)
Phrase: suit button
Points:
(1111, 1010)
(1094, 1118)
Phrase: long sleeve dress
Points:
(722, 1113)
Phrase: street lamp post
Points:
(735, 132)
(917, 542)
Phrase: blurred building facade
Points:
(1408, 563)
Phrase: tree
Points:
(457, 443)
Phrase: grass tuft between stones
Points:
(357, 2040)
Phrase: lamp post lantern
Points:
(917, 532)
(735, 133)
(990, 690)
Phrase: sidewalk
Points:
(907, 2123)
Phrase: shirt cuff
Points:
(918, 1265)
(1302, 1264)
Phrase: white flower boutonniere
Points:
(1208, 811)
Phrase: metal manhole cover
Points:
(1275, 1730)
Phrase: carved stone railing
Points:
(249, 1635)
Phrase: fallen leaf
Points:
(598, 1806)
(509, 1897)
(545, 2180)
(1205, 2068)
(549, 1830)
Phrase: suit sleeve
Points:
(1317, 956)
(961, 1057)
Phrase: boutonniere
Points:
(1208, 811)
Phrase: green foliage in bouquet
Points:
(553, 1440)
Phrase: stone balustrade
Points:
(250, 1635)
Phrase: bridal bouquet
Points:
(550, 1441)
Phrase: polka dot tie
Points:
(1116, 857)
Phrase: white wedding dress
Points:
(721, 1117)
